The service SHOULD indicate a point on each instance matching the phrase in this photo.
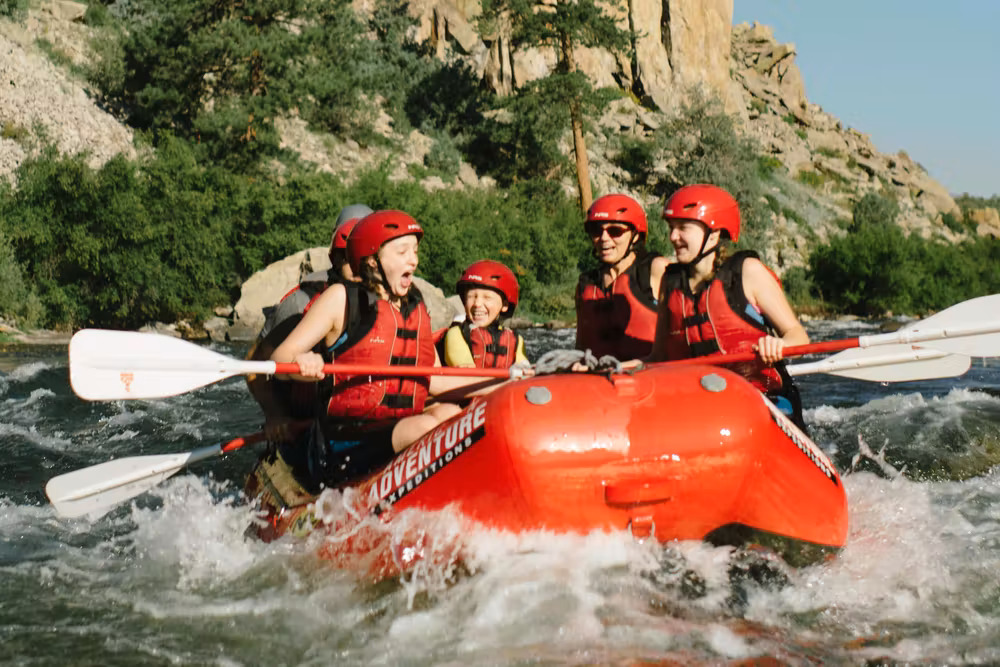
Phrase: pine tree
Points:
(563, 25)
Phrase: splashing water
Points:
(170, 577)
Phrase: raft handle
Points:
(632, 492)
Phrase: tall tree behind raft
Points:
(563, 26)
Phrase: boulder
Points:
(987, 221)
(267, 287)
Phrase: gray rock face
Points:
(36, 93)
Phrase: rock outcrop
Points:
(39, 99)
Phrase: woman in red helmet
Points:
(285, 403)
(380, 320)
(713, 302)
(488, 290)
(616, 303)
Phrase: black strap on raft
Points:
(704, 348)
(641, 286)
(402, 361)
(398, 401)
(694, 320)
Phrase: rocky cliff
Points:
(679, 44)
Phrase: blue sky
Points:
(917, 75)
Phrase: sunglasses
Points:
(596, 230)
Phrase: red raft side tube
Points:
(673, 452)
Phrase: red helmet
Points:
(618, 208)
(340, 234)
(373, 231)
(707, 204)
(492, 275)
(349, 216)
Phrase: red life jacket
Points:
(492, 346)
(377, 333)
(619, 320)
(719, 318)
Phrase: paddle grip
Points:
(236, 443)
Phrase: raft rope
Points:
(562, 361)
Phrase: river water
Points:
(170, 579)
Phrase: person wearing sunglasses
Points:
(616, 303)
(716, 303)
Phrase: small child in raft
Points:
(488, 290)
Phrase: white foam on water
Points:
(35, 396)
(727, 643)
(900, 569)
(195, 532)
(516, 596)
(28, 371)
(131, 414)
(513, 597)
(954, 402)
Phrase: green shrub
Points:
(799, 288)
(830, 152)
(701, 144)
(18, 301)
(793, 215)
(58, 57)
(13, 131)
(874, 209)
(168, 237)
(811, 178)
(767, 164)
(444, 158)
(954, 223)
(875, 268)
(867, 272)
(13, 9)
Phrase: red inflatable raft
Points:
(676, 452)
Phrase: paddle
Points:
(892, 363)
(109, 365)
(970, 328)
(96, 489)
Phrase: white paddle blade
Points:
(887, 363)
(109, 365)
(95, 490)
(971, 328)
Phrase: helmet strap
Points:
(702, 252)
(382, 277)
